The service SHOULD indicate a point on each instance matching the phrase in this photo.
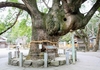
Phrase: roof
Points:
(3, 39)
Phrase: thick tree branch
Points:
(96, 47)
(84, 33)
(72, 6)
(78, 34)
(89, 30)
(73, 1)
(98, 16)
(36, 15)
(11, 4)
(90, 13)
(46, 4)
(12, 24)
(56, 3)
(83, 1)
(32, 6)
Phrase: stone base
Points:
(54, 63)
(15, 62)
(40, 62)
(37, 63)
(62, 62)
(27, 63)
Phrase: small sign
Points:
(40, 46)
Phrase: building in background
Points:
(3, 42)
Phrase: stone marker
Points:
(75, 55)
(45, 60)
(9, 57)
(21, 60)
(67, 57)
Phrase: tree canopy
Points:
(70, 7)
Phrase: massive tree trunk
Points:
(39, 34)
(42, 27)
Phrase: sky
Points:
(86, 6)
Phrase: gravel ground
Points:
(86, 61)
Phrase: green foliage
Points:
(45, 10)
(38, 0)
(66, 37)
(93, 24)
(13, 1)
(2, 26)
(99, 9)
(21, 28)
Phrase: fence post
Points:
(67, 57)
(75, 55)
(9, 57)
(45, 60)
(15, 53)
(73, 48)
(21, 60)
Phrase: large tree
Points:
(63, 16)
